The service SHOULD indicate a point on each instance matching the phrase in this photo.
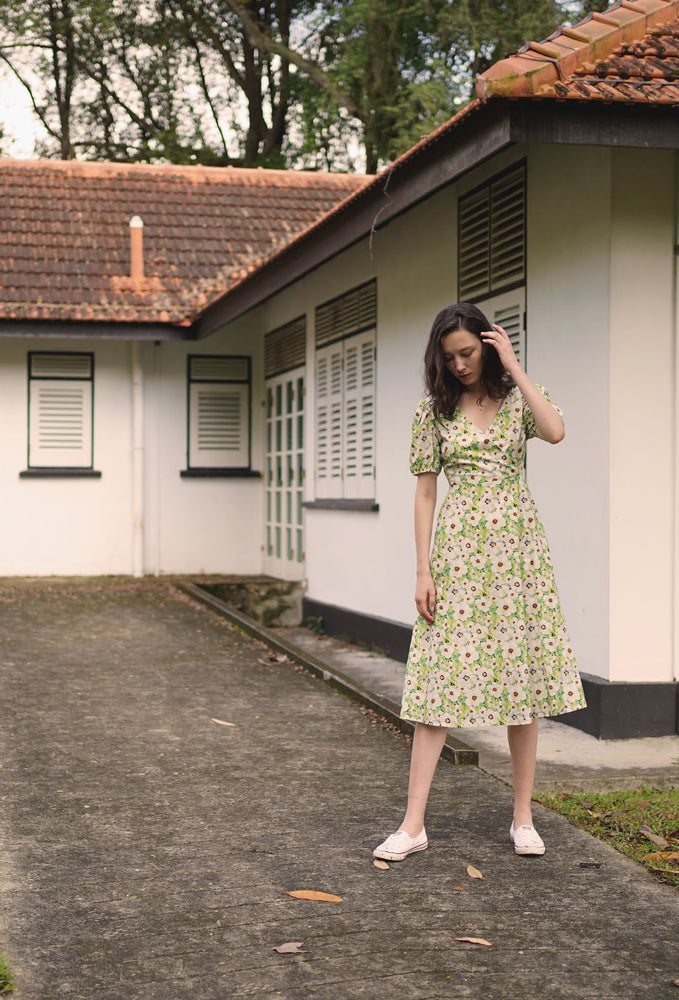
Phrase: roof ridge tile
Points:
(525, 74)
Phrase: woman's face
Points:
(463, 356)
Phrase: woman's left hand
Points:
(499, 339)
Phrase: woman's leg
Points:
(523, 746)
(427, 746)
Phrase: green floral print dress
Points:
(498, 652)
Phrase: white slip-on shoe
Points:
(526, 840)
(400, 844)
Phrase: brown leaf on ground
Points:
(662, 856)
(653, 837)
(271, 659)
(471, 940)
(325, 897)
(458, 888)
(473, 872)
(220, 722)
(379, 863)
(675, 982)
(291, 948)
(599, 815)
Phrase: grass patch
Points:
(625, 819)
(6, 977)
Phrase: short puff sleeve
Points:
(425, 446)
(529, 425)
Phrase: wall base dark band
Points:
(615, 711)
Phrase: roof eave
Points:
(425, 169)
(76, 330)
(455, 149)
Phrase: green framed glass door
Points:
(283, 529)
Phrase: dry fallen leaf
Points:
(458, 888)
(220, 722)
(326, 897)
(675, 982)
(271, 659)
(662, 856)
(379, 863)
(653, 837)
(471, 940)
(473, 872)
(291, 948)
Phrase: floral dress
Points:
(498, 651)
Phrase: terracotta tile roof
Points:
(629, 53)
(65, 247)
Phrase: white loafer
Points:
(526, 840)
(400, 844)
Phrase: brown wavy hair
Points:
(443, 387)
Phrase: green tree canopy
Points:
(311, 83)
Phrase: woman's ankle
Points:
(413, 826)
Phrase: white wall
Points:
(568, 305)
(642, 445)
(83, 526)
(67, 526)
(211, 525)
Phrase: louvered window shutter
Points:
(329, 421)
(218, 422)
(60, 410)
(359, 417)
(507, 230)
(285, 347)
(492, 236)
(219, 412)
(510, 318)
(473, 245)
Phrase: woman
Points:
(490, 646)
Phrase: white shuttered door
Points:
(345, 419)
(329, 365)
(359, 417)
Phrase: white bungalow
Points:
(551, 202)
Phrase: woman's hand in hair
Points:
(499, 339)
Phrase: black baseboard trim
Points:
(626, 710)
(615, 710)
(353, 626)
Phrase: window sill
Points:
(365, 505)
(220, 474)
(55, 473)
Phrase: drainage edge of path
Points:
(454, 749)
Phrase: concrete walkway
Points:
(146, 850)
(568, 759)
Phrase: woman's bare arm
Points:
(549, 425)
(425, 504)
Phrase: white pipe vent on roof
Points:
(136, 248)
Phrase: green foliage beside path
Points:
(6, 977)
(643, 824)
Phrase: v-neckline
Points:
(485, 430)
